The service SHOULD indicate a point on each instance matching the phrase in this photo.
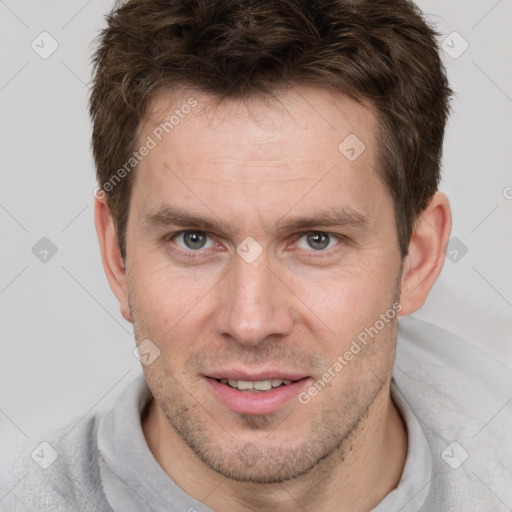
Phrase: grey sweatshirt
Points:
(456, 403)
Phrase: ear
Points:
(111, 255)
(427, 251)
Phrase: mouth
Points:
(256, 394)
(255, 386)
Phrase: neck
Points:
(355, 477)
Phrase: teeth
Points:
(258, 385)
(262, 385)
(245, 384)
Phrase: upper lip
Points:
(256, 376)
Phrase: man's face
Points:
(257, 250)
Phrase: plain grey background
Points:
(65, 348)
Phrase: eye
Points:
(193, 240)
(317, 240)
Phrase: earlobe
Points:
(113, 263)
(426, 255)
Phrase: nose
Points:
(253, 304)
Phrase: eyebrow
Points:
(339, 217)
(172, 216)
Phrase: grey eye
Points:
(192, 240)
(318, 240)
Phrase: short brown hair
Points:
(381, 51)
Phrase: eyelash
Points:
(192, 254)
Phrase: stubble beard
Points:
(326, 442)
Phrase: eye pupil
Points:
(194, 239)
(318, 240)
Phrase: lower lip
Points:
(263, 402)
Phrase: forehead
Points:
(302, 148)
(299, 117)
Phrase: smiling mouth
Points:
(255, 386)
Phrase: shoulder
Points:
(462, 397)
(448, 371)
(58, 472)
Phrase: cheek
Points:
(166, 302)
(346, 301)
